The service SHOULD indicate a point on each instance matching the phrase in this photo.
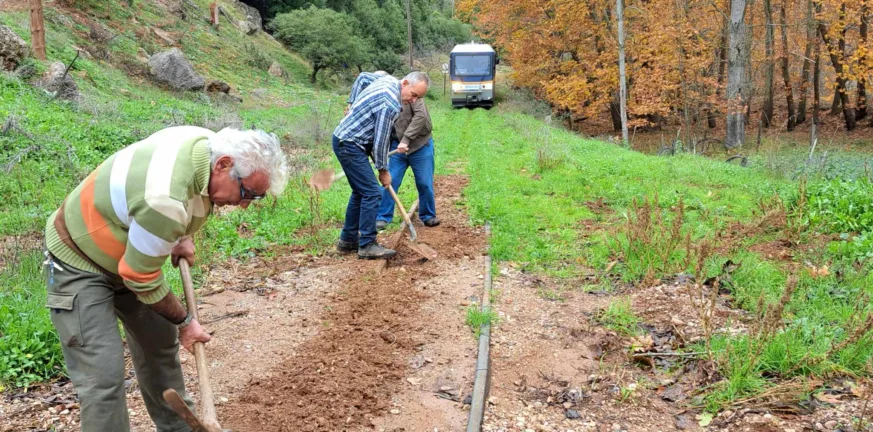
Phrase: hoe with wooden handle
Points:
(420, 248)
(207, 422)
(322, 180)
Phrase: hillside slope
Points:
(119, 102)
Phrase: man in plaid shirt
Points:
(375, 104)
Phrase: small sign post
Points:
(445, 71)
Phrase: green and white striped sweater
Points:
(136, 206)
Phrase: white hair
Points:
(252, 151)
(417, 77)
(380, 73)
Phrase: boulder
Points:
(165, 36)
(172, 68)
(247, 27)
(13, 49)
(252, 16)
(59, 83)
(61, 20)
(218, 87)
(276, 70)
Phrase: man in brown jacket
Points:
(414, 144)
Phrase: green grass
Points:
(29, 346)
(620, 318)
(476, 318)
(536, 211)
(532, 184)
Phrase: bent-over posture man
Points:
(415, 149)
(106, 246)
(365, 130)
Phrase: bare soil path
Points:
(330, 343)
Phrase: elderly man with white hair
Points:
(374, 105)
(106, 245)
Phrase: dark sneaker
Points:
(381, 225)
(375, 251)
(346, 247)
(432, 222)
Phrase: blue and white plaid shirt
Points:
(375, 106)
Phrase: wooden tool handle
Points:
(207, 402)
(406, 218)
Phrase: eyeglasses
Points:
(247, 195)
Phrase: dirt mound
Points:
(346, 373)
(346, 376)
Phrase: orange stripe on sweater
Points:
(97, 227)
(130, 274)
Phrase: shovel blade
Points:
(321, 180)
(422, 249)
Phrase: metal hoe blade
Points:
(177, 404)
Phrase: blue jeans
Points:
(422, 167)
(360, 223)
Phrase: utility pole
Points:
(37, 29)
(409, 29)
(621, 72)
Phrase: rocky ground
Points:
(331, 343)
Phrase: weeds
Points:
(652, 242)
(29, 347)
(256, 58)
(551, 294)
(620, 318)
(841, 206)
(315, 127)
(627, 393)
(861, 421)
(477, 318)
(548, 155)
(704, 298)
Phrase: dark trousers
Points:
(85, 309)
(422, 165)
(360, 223)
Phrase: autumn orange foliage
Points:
(566, 52)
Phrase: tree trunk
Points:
(37, 29)
(736, 126)
(685, 110)
(862, 60)
(804, 75)
(835, 104)
(622, 89)
(838, 101)
(722, 64)
(213, 14)
(767, 109)
(836, 61)
(615, 112)
(789, 96)
(409, 30)
(749, 74)
(314, 73)
(816, 85)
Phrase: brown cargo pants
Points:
(85, 309)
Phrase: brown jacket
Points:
(413, 126)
